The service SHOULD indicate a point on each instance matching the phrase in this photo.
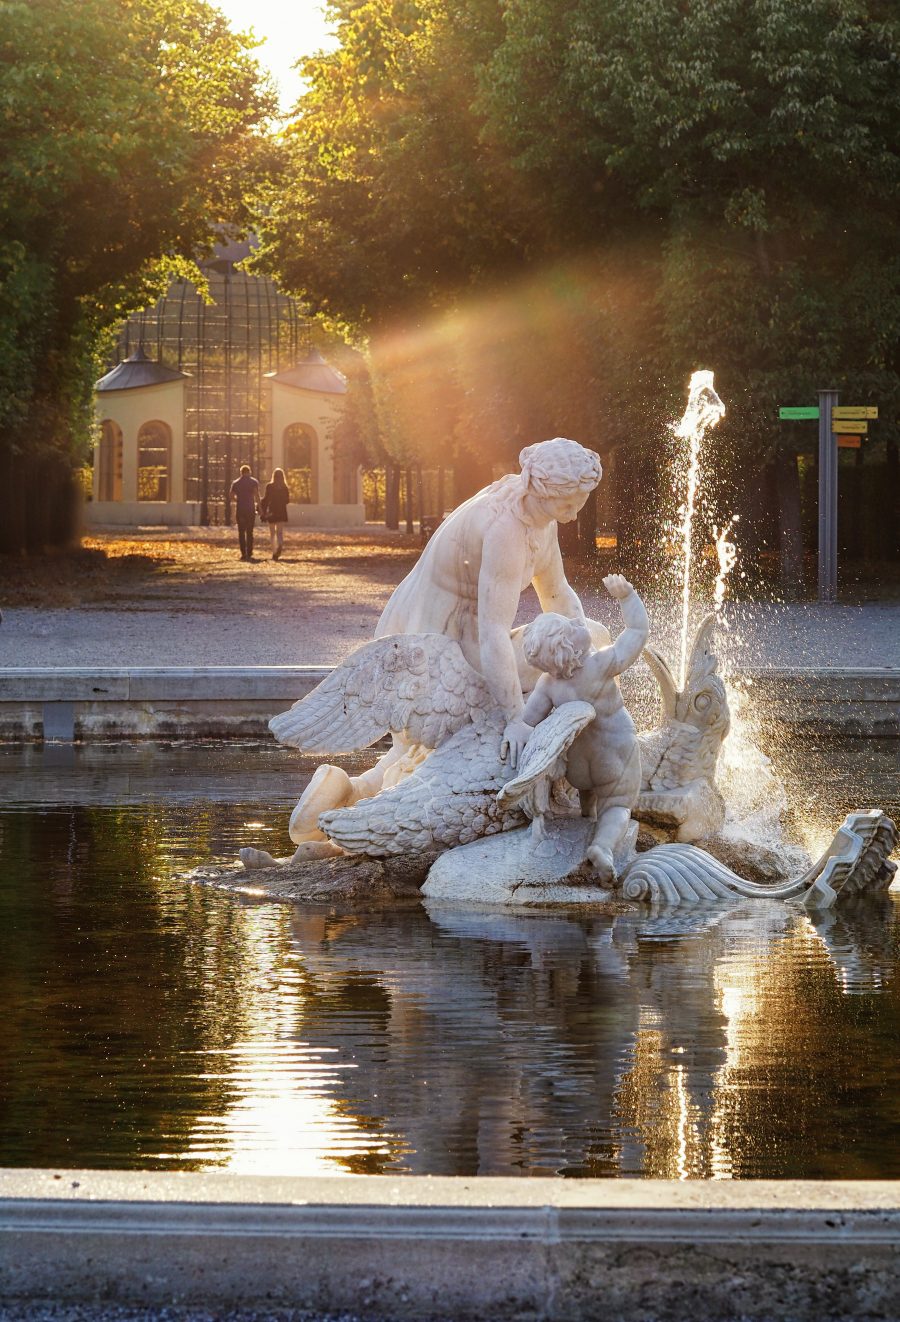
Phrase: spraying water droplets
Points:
(726, 553)
(704, 410)
(754, 796)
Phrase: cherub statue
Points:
(603, 761)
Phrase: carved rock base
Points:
(513, 869)
(348, 881)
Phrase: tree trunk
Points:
(892, 510)
(392, 497)
(409, 501)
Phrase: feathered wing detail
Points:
(417, 685)
(550, 741)
(447, 801)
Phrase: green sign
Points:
(799, 414)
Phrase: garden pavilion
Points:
(200, 387)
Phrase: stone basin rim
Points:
(451, 1247)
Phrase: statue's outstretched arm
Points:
(553, 589)
(633, 638)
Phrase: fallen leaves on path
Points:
(165, 565)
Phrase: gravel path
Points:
(51, 1312)
(166, 599)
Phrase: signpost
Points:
(828, 497)
(839, 427)
(862, 411)
(798, 414)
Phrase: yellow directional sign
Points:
(855, 411)
(845, 425)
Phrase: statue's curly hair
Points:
(549, 468)
(558, 466)
(555, 644)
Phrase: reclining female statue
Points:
(467, 585)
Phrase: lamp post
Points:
(828, 497)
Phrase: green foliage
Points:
(130, 133)
(571, 204)
(387, 200)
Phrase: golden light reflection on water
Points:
(656, 1101)
(155, 1023)
(279, 1113)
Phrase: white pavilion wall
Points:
(318, 412)
(130, 410)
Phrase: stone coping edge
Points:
(163, 702)
(454, 1247)
(121, 683)
(760, 672)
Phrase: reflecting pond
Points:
(153, 1023)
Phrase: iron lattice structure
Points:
(226, 347)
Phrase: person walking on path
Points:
(245, 490)
(274, 509)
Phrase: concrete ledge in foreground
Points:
(454, 1247)
(237, 702)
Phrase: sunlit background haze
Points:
(289, 30)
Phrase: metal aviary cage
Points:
(226, 347)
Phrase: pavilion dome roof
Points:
(138, 370)
(313, 373)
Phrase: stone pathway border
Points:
(452, 1247)
(238, 701)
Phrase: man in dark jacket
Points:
(245, 491)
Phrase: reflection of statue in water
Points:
(466, 586)
(592, 1044)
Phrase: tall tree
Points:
(584, 200)
(129, 132)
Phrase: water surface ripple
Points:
(151, 1023)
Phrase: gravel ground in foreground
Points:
(38, 1312)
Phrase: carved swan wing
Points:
(550, 740)
(417, 685)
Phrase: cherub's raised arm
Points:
(633, 638)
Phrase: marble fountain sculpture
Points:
(513, 757)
